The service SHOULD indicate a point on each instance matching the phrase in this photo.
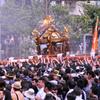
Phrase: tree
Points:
(92, 11)
(20, 17)
(78, 25)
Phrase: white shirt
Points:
(71, 90)
(41, 94)
(78, 98)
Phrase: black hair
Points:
(49, 97)
(82, 83)
(48, 85)
(71, 84)
(77, 91)
(2, 84)
(71, 96)
(91, 73)
(34, 79)
(44, 79)
(95, 89)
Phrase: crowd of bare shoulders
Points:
(50, 78)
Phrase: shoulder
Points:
(13, 96)
(49, 96)
(94, 97)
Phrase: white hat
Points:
(45, 74)
(49, 69)
(30, 94)
(77, 67)
(17, 85)
(54, 82)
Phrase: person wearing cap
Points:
(55, 74)
(16, 91)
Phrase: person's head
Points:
(10, 75)
(29, 94)
(17, 86)
(82, 82)
(77, 91)
(2, 73)
(56, 75)
(71, 96)
(91, 74)
(71, 84)
(25, 72)
(54, 89)
(34, 81)
(68, 70)
(41, 82)
(2, 84)
(1, 94)
(48, 86)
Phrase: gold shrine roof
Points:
(50, 33)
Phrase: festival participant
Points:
(4, 93)
(71, 85)
(34, 75)
(41, 85)
(29, 94)
(34, 87)
(93, 93)
(48, 90)
(16, 91)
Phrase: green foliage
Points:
(61, 15)
(63, 18)
(92, 12)
(78, 25)
(60, 10)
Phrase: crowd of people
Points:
(75, 78)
